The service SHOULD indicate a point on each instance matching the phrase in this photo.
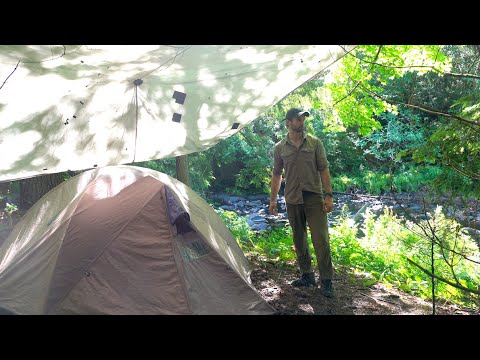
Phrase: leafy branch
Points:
(10, 74)
(430, 111)
(358, 83)
(469, 76)
(460, 287)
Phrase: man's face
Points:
(297, 124)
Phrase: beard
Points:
(298, 129)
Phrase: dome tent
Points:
(124, 240)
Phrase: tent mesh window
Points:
(192, 246)
(189, 242)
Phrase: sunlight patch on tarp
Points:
(224, 85)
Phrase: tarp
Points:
(73, 107)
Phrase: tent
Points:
(124, 240)
(75, 107)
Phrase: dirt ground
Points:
(351, 296)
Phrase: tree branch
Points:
(358, 82)
(469, 76)
(10, 74)
(58, 57)
(432, 255)
(349, 93)
(462, 172)
(466, 173)
(442, 279)
(435, 112)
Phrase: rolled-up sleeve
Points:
(321, 156)
(277, 161)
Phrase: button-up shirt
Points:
(302, 166)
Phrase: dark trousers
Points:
(311, 213)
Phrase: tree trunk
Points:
(4, 186)
(182, 169)
(32, 189)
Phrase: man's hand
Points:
(276, 182)
(327, 204)
(273, 207)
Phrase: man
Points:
(306, 169)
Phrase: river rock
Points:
(260, 227)
(228, 207)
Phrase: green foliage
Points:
(367, 90)
(400, 133)
(405, 179)
(381, 255)
(274, 244)
(10, 208)
(243, 162)
(238, 226)
(345, 183)
(167, 166)
(457, 148)
(200, 172)
(6, 214)
(351, 87)
(344, 155)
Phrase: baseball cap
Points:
(295, 112)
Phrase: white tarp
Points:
(72, 107)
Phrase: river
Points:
(255, 208)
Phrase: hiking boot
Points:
(327, 288)
(307, 279)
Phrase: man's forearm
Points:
(275, 186)
(326, 180)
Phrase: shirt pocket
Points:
(307, 154)
(288, 155)
(307, 166)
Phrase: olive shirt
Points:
(302, 167)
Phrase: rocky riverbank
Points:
(255, 208)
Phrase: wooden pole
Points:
(182, 169)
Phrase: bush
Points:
(405, 179)
(381, 255)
